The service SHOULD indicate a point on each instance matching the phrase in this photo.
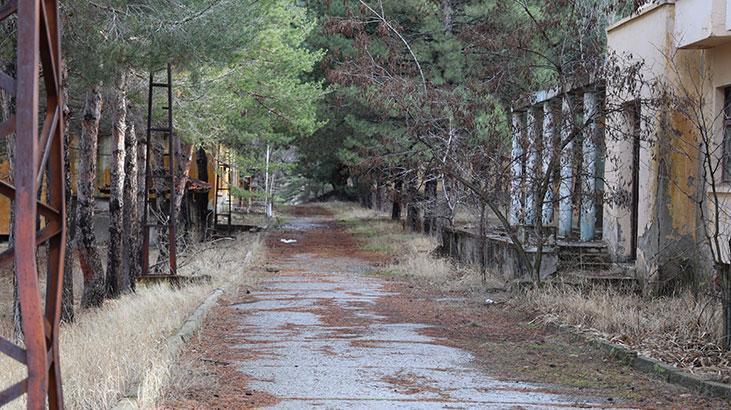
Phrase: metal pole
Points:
(172, 248)
(230, 184)
(218, 184)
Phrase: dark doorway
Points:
(634, 123)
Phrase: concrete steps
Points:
(583, 256)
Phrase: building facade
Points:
(672, 152)
(650, 177)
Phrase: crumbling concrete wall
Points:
(501, 257)
(669, 250)
(669, 239)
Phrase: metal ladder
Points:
(165, 131)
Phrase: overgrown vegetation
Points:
(410, 255)
(120, 348)
(683, 330)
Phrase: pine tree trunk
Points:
(117, 281)
(67, 294)
(91, 264)
(141, 194)
(396, 206)
(412, 211)
(131, 208)
(430, 212)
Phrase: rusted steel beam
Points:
(42, 236)
(10, 7)
(38, 39)
(49, 129)
(14, 391)
(26, 148)
(46, 210)
(54, 155)
(172, 220)
(14, 352)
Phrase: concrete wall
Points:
(501, 257)
(701, 23)
(652, 26)
(671, 245)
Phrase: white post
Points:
(267, 206)
(549, 129)
(566, 211)
(588, 197)
(532, 134)
(270, 195)
(517, 191)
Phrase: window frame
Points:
(726, 135)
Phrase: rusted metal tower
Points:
(168, 177)
(38, 163)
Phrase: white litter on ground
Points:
(288, 241)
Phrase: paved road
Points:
(318, 340)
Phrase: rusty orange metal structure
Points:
(38, 163)
(170, 177)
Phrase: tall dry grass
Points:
(350, 211)
(684, 330)
(412, 255)
(417, 259)
(120, 349)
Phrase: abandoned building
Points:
(216, 190)
(649, 153)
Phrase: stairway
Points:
(583, 256)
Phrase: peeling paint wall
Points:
(671, 246)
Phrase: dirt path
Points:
(321, 332)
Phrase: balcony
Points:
(702, 24)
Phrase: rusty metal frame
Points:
(221, 168)
(172, 219)
(38, 160)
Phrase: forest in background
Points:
(342, 93)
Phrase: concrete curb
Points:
(648, 365)
(193, 323)
(187, 330)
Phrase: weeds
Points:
(412, 255)
(683, 330)
(120, 349)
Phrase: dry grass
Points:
(121, 349)
(6, 305)
(417, 261)
(681, 330)
(412, 255)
